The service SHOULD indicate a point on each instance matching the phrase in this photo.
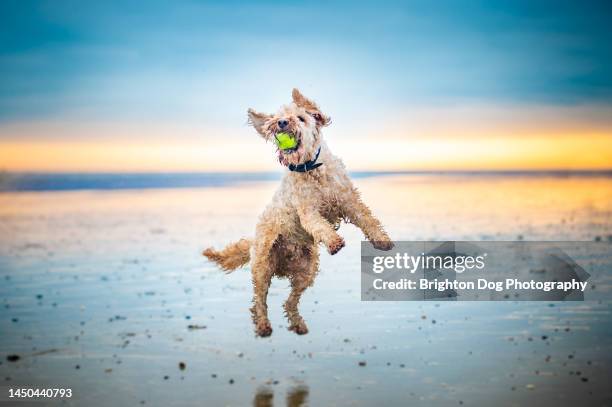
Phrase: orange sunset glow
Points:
(563, 152)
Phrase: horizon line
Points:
(358, 171)
(39, 182)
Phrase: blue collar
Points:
(308, 165)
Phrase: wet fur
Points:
(305, 211)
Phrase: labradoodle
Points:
(315, 195)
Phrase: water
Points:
(111, 181)
(110, 280)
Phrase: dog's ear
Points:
(311, 107)
(258, 120)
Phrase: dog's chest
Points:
(329, 203)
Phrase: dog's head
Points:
(301, 119)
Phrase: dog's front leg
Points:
(361, 216)
(320, 229)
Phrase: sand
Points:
(105, 292)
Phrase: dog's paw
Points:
(300, 328)
(263, 329)
(335, 245)
(383, 245)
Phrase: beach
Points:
(105, 291)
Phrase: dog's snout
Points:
(283, 123)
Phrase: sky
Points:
(165, 85)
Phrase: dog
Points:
(314, 197)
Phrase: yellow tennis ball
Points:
(285, 141)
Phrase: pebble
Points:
(13, 358)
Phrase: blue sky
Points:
(189, 59)
(202, 64)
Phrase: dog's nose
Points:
(283, 123)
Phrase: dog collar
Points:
(308, 165)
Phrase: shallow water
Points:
(99, 288)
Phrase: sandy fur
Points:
(305, 211)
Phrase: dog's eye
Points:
(302, 119)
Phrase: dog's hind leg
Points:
(301, 278)
(262, 266)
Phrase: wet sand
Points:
(106, 292)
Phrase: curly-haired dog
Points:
(315, 195)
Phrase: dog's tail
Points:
(233, 256)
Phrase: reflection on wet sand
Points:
(296, 397)
(264, 397)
